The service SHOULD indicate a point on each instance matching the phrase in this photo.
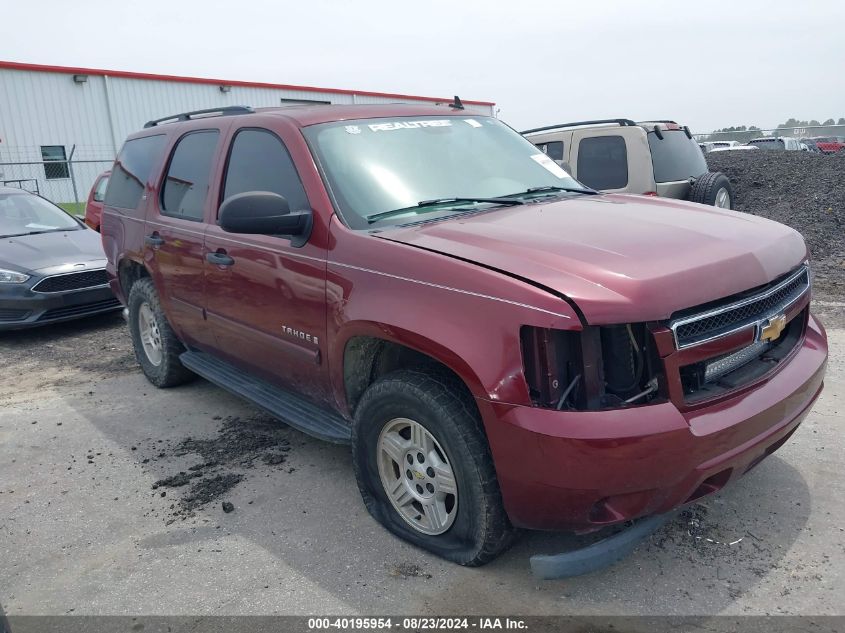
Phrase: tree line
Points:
(810, 128)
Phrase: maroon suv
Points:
(501, 346)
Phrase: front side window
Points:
(27, 214)
(186, 183)
(552, 149)
(132, 171)
(55, 162)
(603, 162)
(259, 161)
(379, 166)
(100, 191)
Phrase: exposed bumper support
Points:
(598, 555)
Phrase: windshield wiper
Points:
(39, 232)
(438, 202)
(27, 233)
(553, 188)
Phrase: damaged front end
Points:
(599, 367)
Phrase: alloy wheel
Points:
(150, 334)
(417, 477)
(723, 199)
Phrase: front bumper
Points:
(21, 308)
(583, 470)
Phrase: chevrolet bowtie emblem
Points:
(770, 329)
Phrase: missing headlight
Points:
(600, 367)
(552, 361)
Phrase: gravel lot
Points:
(802, 190)
(112, 492)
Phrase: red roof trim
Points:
(69, 70)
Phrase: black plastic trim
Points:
(599, 555)
(622, 122)
(292, 409)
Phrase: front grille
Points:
(7, 314)
(73, 281)
(736, 313)
(716, 376)
(80, 310)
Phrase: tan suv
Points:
(657, 158)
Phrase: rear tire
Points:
(713, 189)
(157, 348)
(405, 410)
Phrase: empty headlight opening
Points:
(597, 368)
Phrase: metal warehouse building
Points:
(60, 127)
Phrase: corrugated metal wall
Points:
(48, 108)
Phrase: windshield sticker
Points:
(473, 122)
(409, 125)
(550, 165)
(352, 129)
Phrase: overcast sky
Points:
(707, 64)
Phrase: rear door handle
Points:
(155, 240)
(219, 259)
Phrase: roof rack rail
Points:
(187, 116)
(622, 122)
(662, 121)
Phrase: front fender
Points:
(465, 316)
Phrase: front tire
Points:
(157, 348)
(424, 468)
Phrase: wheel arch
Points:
(369, 350)
(128, 272)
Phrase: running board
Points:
(290, 408)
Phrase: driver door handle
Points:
(219, 259)
(155, 240)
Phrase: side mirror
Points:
(265, 213)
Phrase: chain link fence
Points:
(64, 180)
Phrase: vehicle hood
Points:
(50, 252)
(620, 258)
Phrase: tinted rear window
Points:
(132, 170)
(603, 162)
(675, 156)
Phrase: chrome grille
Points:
(737, 314)
(73, 281)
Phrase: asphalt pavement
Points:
(101, 512)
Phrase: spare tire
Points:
(714, 189)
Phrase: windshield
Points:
(25, 214)
(374, 166)
(675, 156)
